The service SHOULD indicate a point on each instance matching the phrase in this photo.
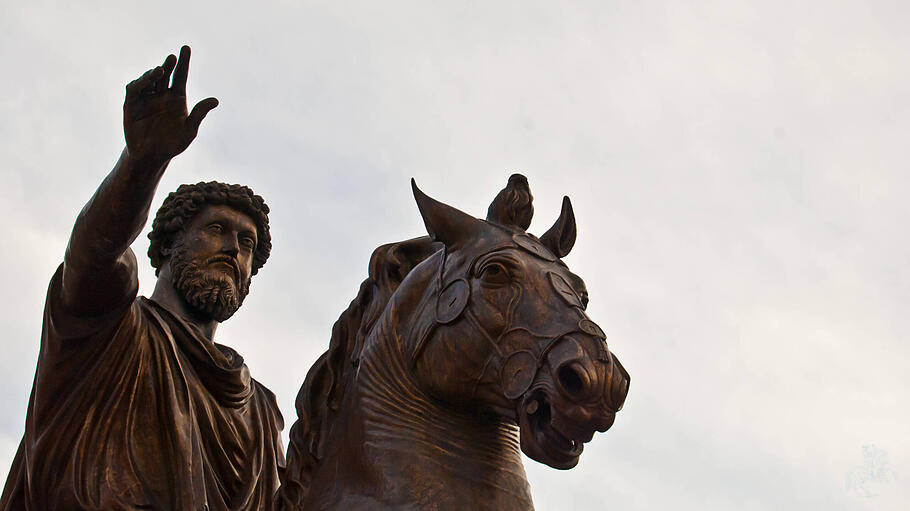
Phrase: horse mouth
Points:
(541, 438)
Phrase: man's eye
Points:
(248, 243)
(494, 273)
(216, 228)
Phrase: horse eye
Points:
(494, 273)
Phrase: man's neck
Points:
(167, 296)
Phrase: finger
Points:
(144, 81)
(199, 112)
(168, 66)
(182, 70)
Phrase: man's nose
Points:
(230, 244)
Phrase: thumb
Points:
(199, 112)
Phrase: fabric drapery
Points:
(143, 412)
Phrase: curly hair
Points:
(183, 204)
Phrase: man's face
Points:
(212, 261)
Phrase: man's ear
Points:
(170, 244)
(166, 250)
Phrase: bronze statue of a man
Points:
(134, 406)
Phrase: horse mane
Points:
(320, 395)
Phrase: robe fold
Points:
(135, 409)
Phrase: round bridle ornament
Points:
(517, 373)
(452, 301)
(533, 246)
(565, 290)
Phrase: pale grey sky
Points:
(738, 171)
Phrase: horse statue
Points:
(461, 350)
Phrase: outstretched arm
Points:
(99, 266)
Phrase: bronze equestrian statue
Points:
(459, 351)
(134, 406)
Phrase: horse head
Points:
(507, 309)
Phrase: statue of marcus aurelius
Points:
(134, 406)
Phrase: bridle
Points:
(517, 370)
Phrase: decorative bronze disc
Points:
(589, 327)
(452, 301)
(533, 246)
(564, 289)
(518, 373)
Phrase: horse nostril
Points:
(571, 381)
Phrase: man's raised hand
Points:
(155, 119)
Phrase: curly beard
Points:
(209, 292)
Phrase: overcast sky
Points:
(738, 171)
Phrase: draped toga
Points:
(135, 409)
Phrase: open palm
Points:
(156, 122)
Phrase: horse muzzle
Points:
(574, 397)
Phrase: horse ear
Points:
(512, 206)
(444, 223)
(561, 237)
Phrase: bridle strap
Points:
(540, 356)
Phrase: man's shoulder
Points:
(263, 391)
(65, 323)
(267, 397)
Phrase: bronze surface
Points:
(460, 350)
(134, 406)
